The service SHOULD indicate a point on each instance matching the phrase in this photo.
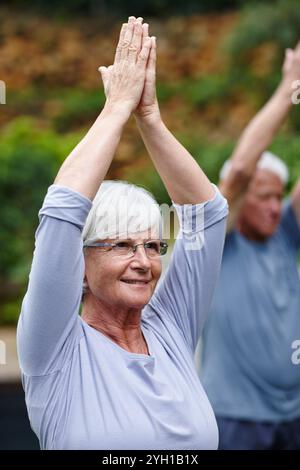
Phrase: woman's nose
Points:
(140, 255)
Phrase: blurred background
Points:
(218, 62)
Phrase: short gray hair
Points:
(268, 161)
(120, 208)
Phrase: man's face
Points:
(261, 210)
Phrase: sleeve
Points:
(48, 328)
(185, 293)
(289, 225)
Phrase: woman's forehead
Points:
(149, 234)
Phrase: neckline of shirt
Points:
(106, 339)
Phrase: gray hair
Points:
(119, 209)
(268, 161)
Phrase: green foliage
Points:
(31, 152)
(205, 89)
(275, 25)
(210, 155)
(197, 91)
(167, 90)
(151, 181)
(29, 160)
(78, 107)
(67, 108)
(277, 22)
(10, 311)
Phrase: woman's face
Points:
(119, 281)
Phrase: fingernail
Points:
(131, 18)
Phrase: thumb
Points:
(103, 71)
(288, 60)
(104, 75)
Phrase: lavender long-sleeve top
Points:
(82, 390)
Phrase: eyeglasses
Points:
(126, 248)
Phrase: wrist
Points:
(285, 90)
(120, 112)
(149, 115)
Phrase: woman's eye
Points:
(152, 246)
(122, 245)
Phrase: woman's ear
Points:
(85, 286)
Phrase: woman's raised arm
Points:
(86, 166)
(184, 180)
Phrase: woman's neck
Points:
(123, 326)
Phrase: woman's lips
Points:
(134, 282)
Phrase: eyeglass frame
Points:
(133, 248)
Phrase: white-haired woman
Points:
(122, 375)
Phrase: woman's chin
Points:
(138, 301)
(137, 296)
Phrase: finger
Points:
(297, 48)
(103, 71)
(127, 38)
(109, 72)
(152, 56)
(136, 42)
(104, 75)
(145, 32)
(144, 54)
(121, 40)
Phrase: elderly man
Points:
(247, 368)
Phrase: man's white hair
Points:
(268, 161)
(119, 209)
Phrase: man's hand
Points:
(291, 65)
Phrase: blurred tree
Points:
(257, 46)
(265, 22)
(29, 158)
(207, 100)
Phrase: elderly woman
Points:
(121, 375)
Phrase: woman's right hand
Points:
(127, 75)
